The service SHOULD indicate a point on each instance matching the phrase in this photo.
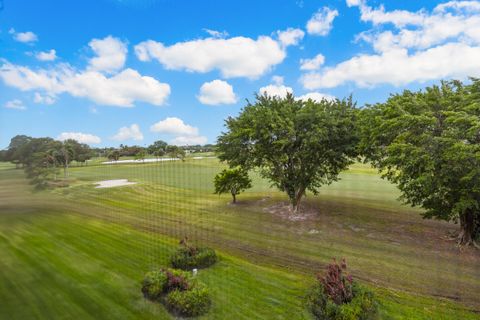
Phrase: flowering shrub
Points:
(336, 296)
(188, 257)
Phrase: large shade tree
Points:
(428, 143)
(297, 145)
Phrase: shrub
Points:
(153, 284)
(180, 293)
(189, 257)
(157, 283)
(189, 303)
(337, 297)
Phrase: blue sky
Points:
(122, 71)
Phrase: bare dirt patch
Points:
(284, 210)
(113, 183)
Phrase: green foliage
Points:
(157, 148)
(232, 181)
(180, 293)
(428, 143)
(158, 283)
(141, 155)
(298, 145)
(362, 306)
(113, 155)
(189, 257)
(153, 285)
(175, 152)
(189, 303)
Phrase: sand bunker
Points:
(113, 183)
(141, 161)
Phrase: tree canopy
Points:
(298, 145)
(428, 143)
(233, 181)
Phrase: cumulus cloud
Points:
(175, 126)
(184, 134)
(46, 55)
(25, 37)
(316, 96)
(217, 92)
(189, 140)
(80, 137)
(321, 22)
(129, 133)
(379, 16)
(121, 89)
(290, 37)
(111, 54)
(410, 47)
(15, 104)
(43, 99)
(312, 64)
(275, 90)
(398, 67)
(233, 57)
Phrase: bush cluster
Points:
(189, 257)
(191, 303)
(336, 296)
(182, 295)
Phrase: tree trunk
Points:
(234, 198)
(297, 199)
(469, 229)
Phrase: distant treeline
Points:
(42, 158)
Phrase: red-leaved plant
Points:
(190, 249)
(337, 283)
(176, 282)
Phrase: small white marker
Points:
(194, 271)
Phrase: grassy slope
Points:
(60, 263)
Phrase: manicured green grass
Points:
(81, 252)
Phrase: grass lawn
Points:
(81, 252)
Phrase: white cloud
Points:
(216, 34)
(380, 16)
(111, 54)
(316, 96)
(233, 57)
(175, 126)
(217, 92)
(184, 134)
(290, 37)
(277, 80)
(44, 99)
(398, 67)
(15, 104)
(25, 37)
(321, 22)
(80, 137)
(275, 90)
(410, 47)
(129, 133)
(122, 89)
(189, 140)
(46, 56)
(312, 64)
(452, 21)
